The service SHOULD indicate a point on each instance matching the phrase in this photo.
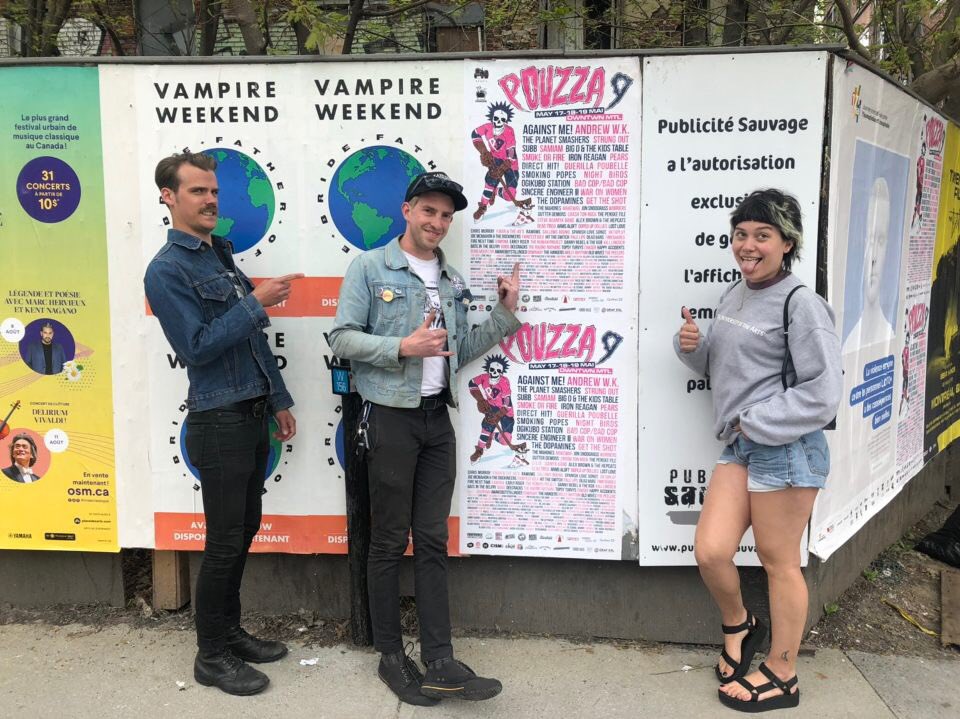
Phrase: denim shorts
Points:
(803, 463)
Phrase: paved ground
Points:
(80, 672)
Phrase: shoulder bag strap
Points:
(786, 336)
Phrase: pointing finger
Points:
(429, 320)
(687, 316)
(290, 278)
(516, 273)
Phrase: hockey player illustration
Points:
(497, 145)
(905, 361)
(492, 392)
(921, 169)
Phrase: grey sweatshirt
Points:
(742, 353)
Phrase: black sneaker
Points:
(250, 649)
(450, 678)
(226, 671)
(401, 674)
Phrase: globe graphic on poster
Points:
(247, 202)
(366, 194)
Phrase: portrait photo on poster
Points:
(47, 345)
(878, 196)
(23, 456)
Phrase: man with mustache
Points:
(214, 318)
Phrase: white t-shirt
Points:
(434, 368)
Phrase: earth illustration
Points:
(366, 194)
(247, 202)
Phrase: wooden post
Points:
(171, 579)
(358, 523)
(950, 607)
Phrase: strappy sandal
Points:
(756, 631)
(786, 700)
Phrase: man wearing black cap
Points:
(402, 322)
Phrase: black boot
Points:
(250, 649)
(401, 674)
(449, 678)
(225, 671)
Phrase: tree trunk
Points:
(735, 23)
(43, 21)
(246, 17)
(695, 22)
(934, 85)
(209, 21)
(356, 12)
(302, 32)
(951, 106)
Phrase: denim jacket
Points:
(381, 302)
(216, 333)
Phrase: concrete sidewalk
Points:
(78, 672)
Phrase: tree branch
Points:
(934, 85)
(396, 11)
(106, 24)
(850, 31)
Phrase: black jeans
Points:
(412, 468)
(230, 449)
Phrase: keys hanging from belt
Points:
(363, 441)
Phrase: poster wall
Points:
(706, 146)
(313, 161)
(910, 400)
(581, 435)
(943, 348)
(874, 221)
(551, 156)
(58, 486)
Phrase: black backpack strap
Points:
(786, 335)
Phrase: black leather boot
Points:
(401, 674)
(227, 672)
(250, 649)
(449, 678)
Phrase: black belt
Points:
(256, 407)
(434, 402)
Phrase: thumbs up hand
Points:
(689, 332)
(425, 341)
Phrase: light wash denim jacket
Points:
(216, 333)
(381, 302)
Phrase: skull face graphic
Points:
(499, 119)
(495, 370)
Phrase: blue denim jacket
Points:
(368, 328)
(217, 334)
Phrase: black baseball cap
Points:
(437, 182)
